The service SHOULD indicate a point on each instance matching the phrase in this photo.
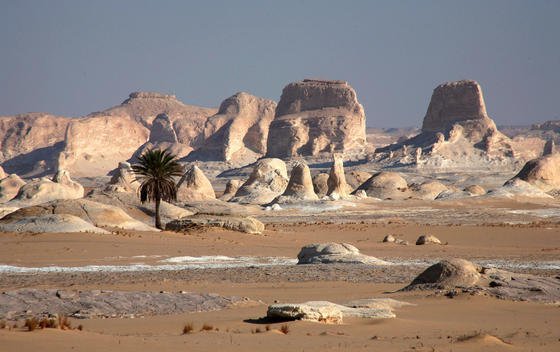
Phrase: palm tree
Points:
(155, 170)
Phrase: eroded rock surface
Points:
(336, 183)
(194, 185)
(45, 190)
(386, 185)
(300, 186)
(543, 172)
(9, 187)
(326, 253)
(53, 223)
(245, 224)
(267, 181)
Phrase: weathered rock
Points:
(475, 190)
(320, 184)
(235, 223)
(162, 130)
(386, 185)
(427, 239)
(123, 180)
(549, 147)
(337, 180)
(356, 178)
(9, 187)
(317, 116)
(543, 172)
(393, 239)
(429, 190)
(300, 186)
(44, 190)
(50, 223)
(267, 181)
(3, 173)
(447, 274)
(238, 132)
(517, 188)
(231, 188)
(194, 185)
(325, 253)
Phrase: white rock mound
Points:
(9, 187)
(123, 180)
(51, 223)
(543, 172)
(194, 186)
(268, 180)
(45, 190)
(386, 185)
(300, 186)
(327, 253)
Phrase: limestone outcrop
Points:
(447, 274)
(315, 116)
(45, 190)
(267, 181)
(356, 178)
(427, 239)
(9, 187)
(543, 172)
(320, 184)
(194, 186)
(428, 190)
(53, 223)
(238, 133)
(336, 183)
(475, 190)
(231, 188)
(327, 253)
(123, 180)
(300, 186)
(386, 185)
(245, 224)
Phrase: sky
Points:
(74, 57)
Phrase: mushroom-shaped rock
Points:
(231, 188)
(447, 274)
(9, 187)
(44, 190)
(267, 181)
(194, 186)
(300, 186)
(320, 186)
(326, 253)
(123, 179)
(543, 172)
(475, 190)
(427, 239)
(337, 180)
(428, 190)
(386, 185)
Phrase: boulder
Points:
(9, 187)
(316, 116)
(543, 172)
(427, 239)
(386, 185)
(300, 186)
(49, 223)
(100, 215)
(429, 190)
(231, 188)
(320, 184)
(447, 274)
(194, 186)
(475, 190)
(238, 133)
(355, 178)
(123, 180)
(162, 130)
(45, 190)
(337, 180)
(393, 239)
(268, 180)
(327, 253)
(231, 222)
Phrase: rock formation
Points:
(3, 173)
(245, 224)
(549, 147)
(356, 178)
(238, 132)
(475, 190)
(386, 185)
(427, 239)
(50, 223)
(320, 184)
(429, 190)
(45, 190)
(543, 172)
(326, 253)
(123, 180)
(300, 186)
(448, 274)
(9, 187)
(315, 116)
(194, 186)
(267, 181)
(231, 188)
(337, 186)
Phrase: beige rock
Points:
(356, 178)
(44, 190)
(267, 181)
(9, 187)
(162, 130)
(300, 186)
(429, 190)
(315, 116)
(194, 186)
(320, 184)
(543, 172)
(448, 274)
(327, 253)
(123, 180)
(337, 180)
(231, 188)
(386, 185)
(475, 190)
(3, 174)
(51, 223)
(427, 239)
(245, 224)
(238, 132)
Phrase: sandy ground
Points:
(435, 323)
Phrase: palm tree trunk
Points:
(158, 217)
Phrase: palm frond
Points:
(155, 171)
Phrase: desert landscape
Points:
(293, 224)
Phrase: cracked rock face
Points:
(314, 117)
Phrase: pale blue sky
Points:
(74, 57)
